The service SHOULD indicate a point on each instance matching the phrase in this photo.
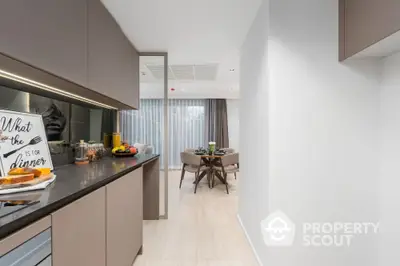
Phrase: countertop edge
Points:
(12, 227)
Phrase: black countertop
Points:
(72, 183)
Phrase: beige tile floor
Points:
(202, 229)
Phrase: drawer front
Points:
(30, 253)
(23, 235)
(45, 262)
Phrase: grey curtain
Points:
(217, 122)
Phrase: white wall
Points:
(232, 107)
(390, 154)
(253, 181)
(321, 122)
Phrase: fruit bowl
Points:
(124, 150)
(124, 154)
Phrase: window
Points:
(186, 126)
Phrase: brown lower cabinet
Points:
(102, 228)
(124, 218)
(78, 232)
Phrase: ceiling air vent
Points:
(205, 72)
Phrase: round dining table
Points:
(211, 161)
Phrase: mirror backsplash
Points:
(65, 123)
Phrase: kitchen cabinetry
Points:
(113, 63)
(124, 218)
(28, 246)
(98, 223)
(30, 253)
(46, 262)
(79, 231)
(77, 40)
(47, 34)
(363, 23)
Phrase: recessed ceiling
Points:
(202, 37)
(152, 82)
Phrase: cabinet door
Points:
(47, 34)
(124, 219)
(113, 63)
(366, 22)
(78, 234)
(135, 80)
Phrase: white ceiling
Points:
(202, 38)
(185, 81)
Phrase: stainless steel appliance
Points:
(34, 252)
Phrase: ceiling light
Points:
(45, 87)
(232, 70)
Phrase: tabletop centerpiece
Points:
(211, 150)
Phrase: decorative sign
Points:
(23, 141)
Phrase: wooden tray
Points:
(33, 182)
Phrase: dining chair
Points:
(228, 150)
(190, 150)
(229, 164)
(192, 163)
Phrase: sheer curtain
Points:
(186, 126)
(233, 123)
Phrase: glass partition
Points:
(149, 124)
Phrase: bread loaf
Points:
(24, 171)
(16, 179)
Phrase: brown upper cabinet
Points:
(363, 23)
(77, 40)
(47, 34)
(113, 62)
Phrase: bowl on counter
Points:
(124, 154)
(124, 150)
